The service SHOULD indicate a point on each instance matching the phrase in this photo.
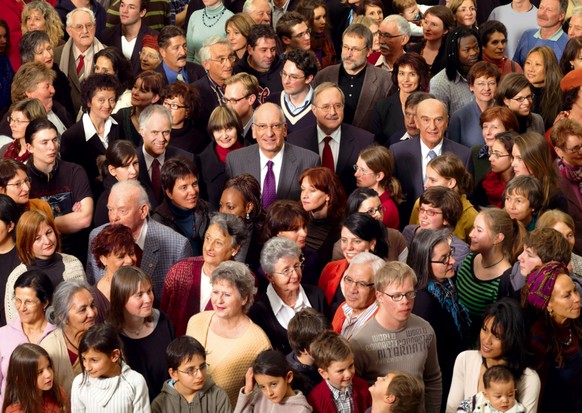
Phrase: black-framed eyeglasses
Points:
(193, 371)
(446, 259)
(521, 99)
(295, 268)
(498, 155)
(399, 297)
(373, 211)
(174, 106)
(575, 149)
(388, 36)
(234, 101)
(349, 281)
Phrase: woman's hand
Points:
(249, 381)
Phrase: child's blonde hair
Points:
(398, 6)
(408, 391)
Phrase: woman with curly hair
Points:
(111, 61)
(40, 15)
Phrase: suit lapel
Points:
(289, 173)
(346, 149)
(367, 93)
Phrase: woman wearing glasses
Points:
(282, 263)
(431, 258)
(374, 169)
(20, 115)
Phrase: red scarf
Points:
(222, 152)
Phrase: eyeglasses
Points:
(287, 271)
(327, 108)
(380, 210)
(575, 149)
(353, 49)
(234, 101)
(19, 184)
(292, 77)
(388, 36)
(429, 212)
(18, 122)
(18, 303)
(80, 27)
(223, 60)
(262, 127)
(174, 106)
(521, 99)
(349, 281)
(362, 171)
(302, 34)
(446, 259)
(193, 371)
(488, 84)
(498, 155)
(399, 297)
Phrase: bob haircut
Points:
(367, 228)
(30, 42)
(380, 160)
(449, 166)
(181, 350)
(421, 253)
(53, 23)
(27, 79)
(328, 347)
(239, 275)
(103, 338)
(271, 363)
(125, 282)
(528, 187)
(151, 81)
(447, 200)
(95, 83)
(32, 108)
(509, 325)
(393, 272)
(503, 114)
(121, 66)
(284, 215)
(224, 117)
(27, 230)
(356, 198)
(114, 239)
(242, 21)
(36, 126)
(571, 51)
(9, 213)
(445, 15)
(39, 282)
(22, 378)
(483, 69)
(188, 93)
(174, 169)
(304, 327)
(327, 181)
(250, 189)
(8, 169)
(510, 86)
(418, 64)
(549, 245)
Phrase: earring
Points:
(248, 216)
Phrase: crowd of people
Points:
(290, 206)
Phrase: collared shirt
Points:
(334, 143)
(554, 37)
(344, 400)
(149, 159)
(424, 150)
(297, 109)
(353, 322)
(173, 76)
(140, 241)
(87, 60)
(90, 130)
(277, 162)
(218, 92)
(278, 12)
(52, 116)
(283, 312)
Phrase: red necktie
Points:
(156, 180)
(81, 64)
(327, 156)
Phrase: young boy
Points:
(398, 392)
(341, 390)
(190, 389)
(498, 394)
(522, 199)
(412, 12)
(303, 328)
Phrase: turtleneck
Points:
(213, 12)
(186, 221)
(53, 267)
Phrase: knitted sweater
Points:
(203, 24)
(229, 362)
(126, 393)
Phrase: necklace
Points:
(569, 341)
(205, 17)
(136, 332)
(70, 342)
(492, 265)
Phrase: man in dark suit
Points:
(174, 67)
(411, 156)
(157, 247)
(131, 30)
(346, 141)
(155, 126)
(271, 156)
(362, 83)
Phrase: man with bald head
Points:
(412, 156)
(273, 162)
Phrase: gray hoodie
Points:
(211, 399)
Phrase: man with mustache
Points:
(394, 35)
(551, 14)
(362, 83)
(331, 136)
(174, 67)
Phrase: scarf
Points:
(572, 174)
(483, 152)
(493, 187)
(13, 150)
(446, 294)
(222, 152)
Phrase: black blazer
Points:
(353, 141)
(194, 71)
(211, 175)
(387, 119)
(111, 36)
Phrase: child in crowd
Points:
(273, 377)
(397, 392)
(30, 383)
(303, 328)
(335, 362)
(498, 394)
(190, 388)
(522, 199)
(107, 384)
(412, 12)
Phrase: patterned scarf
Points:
(446, 294)
(572, 174)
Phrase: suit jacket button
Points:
(150, 265)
